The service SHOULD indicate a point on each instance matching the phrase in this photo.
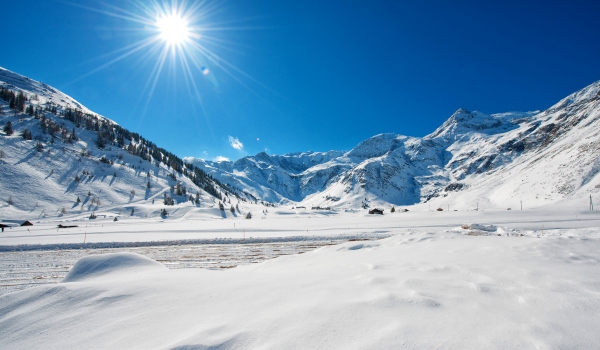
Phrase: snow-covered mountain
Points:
(57, 158)
(472, 159)
(539, 157)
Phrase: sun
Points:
(185, 38)
(173, 29)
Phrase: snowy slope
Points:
(41, 93)
(62, 172)
(554, 154)
(552, 158)
(420, 289)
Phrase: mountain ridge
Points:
(393, 169)
(544, 156)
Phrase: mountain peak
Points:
(587, 93)
(464, 121)
(377, 145)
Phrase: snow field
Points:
(428, 286)
(209, 224)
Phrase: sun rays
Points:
(172, 33)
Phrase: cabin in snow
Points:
(15, 223)
(376, 211)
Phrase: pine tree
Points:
(100, 142)
(20, 102)
(8, 128)
(26, 134)
(43, 124)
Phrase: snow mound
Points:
(359, 246)
(105, 264)
(481, 230)
(481, 227)
(492, 230)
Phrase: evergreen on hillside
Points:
(109, 134)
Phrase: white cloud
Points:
(221, 159)
(235, 143)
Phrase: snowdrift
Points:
(105, 265)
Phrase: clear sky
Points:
(286, 76)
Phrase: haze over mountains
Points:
(471, 160)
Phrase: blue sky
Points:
(306, 75)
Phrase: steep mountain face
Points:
(545, 157)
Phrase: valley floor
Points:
(445, 280)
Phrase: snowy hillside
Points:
(58, 159)
(499, 160)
